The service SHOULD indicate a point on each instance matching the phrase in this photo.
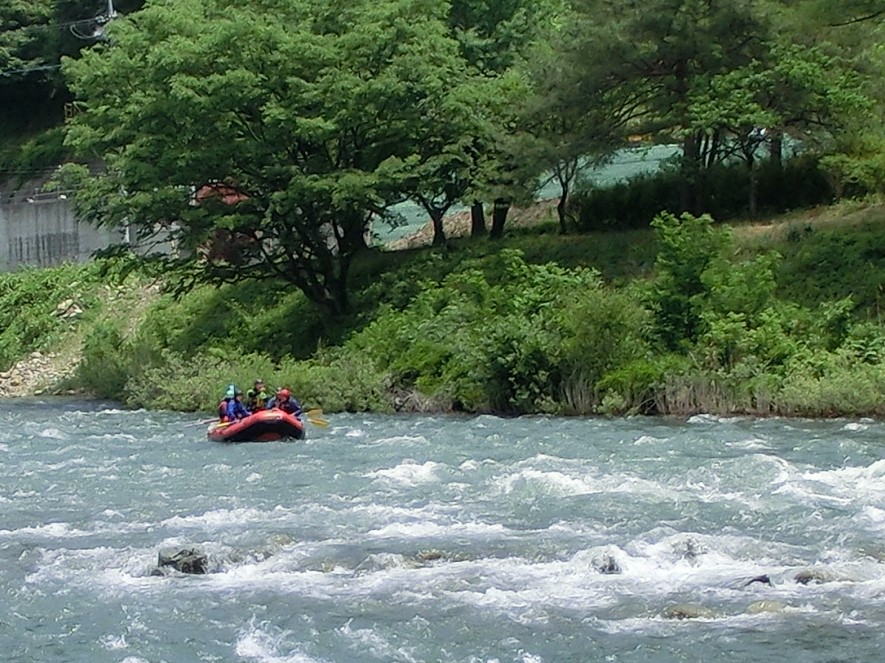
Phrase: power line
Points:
(97, 32)
(52, 26)
(109, 13)
(28, 70)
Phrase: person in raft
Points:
(235, 408)
(222, 406)
(257, 397)
(285, 402)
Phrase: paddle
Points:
(315, 417)
(202, 423)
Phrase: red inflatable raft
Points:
(263, 426)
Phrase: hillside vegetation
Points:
(266, 141)
(690, 317)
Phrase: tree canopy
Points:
(264, 138)
(295, 108)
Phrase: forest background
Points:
(269, 140)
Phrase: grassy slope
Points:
(828, 253)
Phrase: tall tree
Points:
(265, 125)
(496, 38)
(648, 59)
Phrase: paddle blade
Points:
(318, 421)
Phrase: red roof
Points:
(228, 194)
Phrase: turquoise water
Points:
(420, 539)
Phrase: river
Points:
(418, 539)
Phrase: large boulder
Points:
(184, 560)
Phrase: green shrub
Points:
(104, 367)
(833, 384)
(603, 331)
(636, 386)
(689, 245)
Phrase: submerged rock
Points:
(688, 611)
(690, 550)
(763, 580)
(816, 576)
(608, 565)
(184, 560)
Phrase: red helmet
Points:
(283, 393)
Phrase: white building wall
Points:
(44, 233)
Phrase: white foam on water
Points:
(366, 639)
(55, 467)
(874, 517)
(840, 487)
(531, 658)
(580, 481)
(257, 644)
(860, 482)
(427, 530)
(53, 434)
(111, 411)
(114, 437)
(408, 473)
(356, 432)
(254, 477)
(46, 531)
(706, 419)
(400, 441)
(750, 444)
(114, 642)
(557, 483)
(473, 465)
(644, 440)
(733, 617)
(855, 427)
(221, 519)
(486, 421)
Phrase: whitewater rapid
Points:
(482, 539)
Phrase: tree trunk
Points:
(353, 235)
(776, 148)
(562, 209)
(499, 217)
(754, 189)
(690, 174)
(477, 220)
(439, 235)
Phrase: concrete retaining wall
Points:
(44, 233)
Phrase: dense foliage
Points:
(711, 328)
(266, 138)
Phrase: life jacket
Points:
(286, 405)
(257, 400)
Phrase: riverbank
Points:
(534, 323)
(39, 374)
